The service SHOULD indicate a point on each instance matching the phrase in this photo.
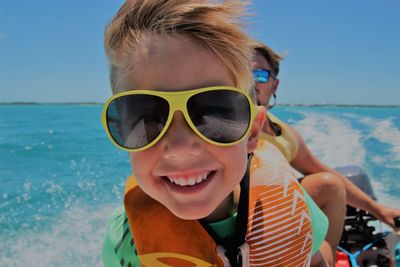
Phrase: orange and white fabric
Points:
(279, 230)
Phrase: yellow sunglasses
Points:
(136, 120)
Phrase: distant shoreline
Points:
(281, 105)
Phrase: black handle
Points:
(397, 222)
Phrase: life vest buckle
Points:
(243, 257)
(221, 254)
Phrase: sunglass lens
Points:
(260, 75)
(222, 116)
(134, 121)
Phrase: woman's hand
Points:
(385, 214)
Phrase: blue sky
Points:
(338, 51)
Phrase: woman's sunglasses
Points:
(136, 120)
(262, 75)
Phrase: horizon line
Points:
(282, 104)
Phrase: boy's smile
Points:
(188, 175)
(185, 179)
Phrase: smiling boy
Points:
(180, 71)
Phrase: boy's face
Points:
(165, 170)
(264, 90)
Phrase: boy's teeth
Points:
(199, 179)
(188, 180)
(191, 181)
(181, 181)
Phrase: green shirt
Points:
(119, 248)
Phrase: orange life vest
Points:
(279, 229)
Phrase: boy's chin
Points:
(211, 209)
(191, 213)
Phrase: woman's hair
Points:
(270, 55)
(215, 25)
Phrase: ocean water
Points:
(60, 177)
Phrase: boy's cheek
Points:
(131, 160)
(141, 162)
(139, 168)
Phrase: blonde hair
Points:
(214, 25)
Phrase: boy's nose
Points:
(180, 141)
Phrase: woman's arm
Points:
(306, 163)
(319, 258)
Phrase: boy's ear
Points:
(256, 129)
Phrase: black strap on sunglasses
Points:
(231, 244)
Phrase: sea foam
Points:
(74, 240)
(331, 139)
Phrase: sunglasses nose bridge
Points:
(178, 102)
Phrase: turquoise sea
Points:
(60, 177)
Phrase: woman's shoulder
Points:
(275, 119)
